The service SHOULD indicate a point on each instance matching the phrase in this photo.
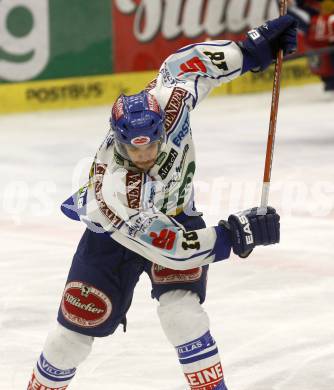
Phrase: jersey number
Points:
(191, 241)
(218, 59)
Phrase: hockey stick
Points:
(273, 121)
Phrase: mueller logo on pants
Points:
(84, 305)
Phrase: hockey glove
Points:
(249, 229)
(262, 43)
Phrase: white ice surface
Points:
(272, 314)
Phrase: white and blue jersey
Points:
(138, 209)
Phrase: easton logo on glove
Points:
(250, 228)
(244, 223)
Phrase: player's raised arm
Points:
(202, 66)
(163, 241)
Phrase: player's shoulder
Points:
(168, 90)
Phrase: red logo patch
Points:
(84, 305)
(193, 65)
(142, 140)
(162, 275)
(165, 239)
(206, 379)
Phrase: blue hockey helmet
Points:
(137, 120)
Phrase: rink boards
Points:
(103, 89)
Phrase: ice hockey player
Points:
(139, 210)
(316, 20)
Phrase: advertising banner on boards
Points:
(147, 31)
(76, 53)
(42, 39)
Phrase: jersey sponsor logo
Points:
(183, 158)
(217, 59)
(206, 379)
(133, 189)
(195, 64)
(168, 164)
(174, 202)
(148, 194)
(162, 275)
(35, 385)
(141, 224)
(85, 305)
(164, 239)
(173, 182)
(99, 172)
(186, 183)
(142, 140)
(161, 158)
(185, 151)
(167, 79)
(182, 133)
(177, 175)
(173, 107)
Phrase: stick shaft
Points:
(273, 119)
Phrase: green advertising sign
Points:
(48, 39)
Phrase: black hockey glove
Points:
(262, 43)
(249, 229)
